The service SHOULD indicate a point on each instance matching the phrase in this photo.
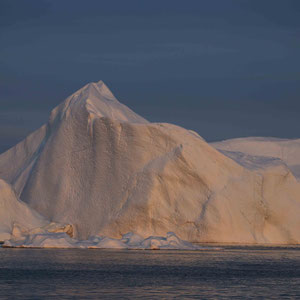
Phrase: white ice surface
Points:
(288, 151)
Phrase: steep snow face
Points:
(16, 163)
(105, 170)
(14, 213)
(286, 150)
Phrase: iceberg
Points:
(129, 241)
(105, 171)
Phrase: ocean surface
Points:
(231, 273)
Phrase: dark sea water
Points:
(232, 273)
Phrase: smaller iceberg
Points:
(47, 239)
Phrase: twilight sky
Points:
(224, 68)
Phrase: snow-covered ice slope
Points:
(15, 214)
(102, 168)
(286, 150)
(17, 219)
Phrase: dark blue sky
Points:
(225, 68)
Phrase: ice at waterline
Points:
(98, 169)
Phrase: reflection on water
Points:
(235, 272)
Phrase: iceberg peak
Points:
(96, 90)
(98, 101)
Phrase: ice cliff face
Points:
(102, 168)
